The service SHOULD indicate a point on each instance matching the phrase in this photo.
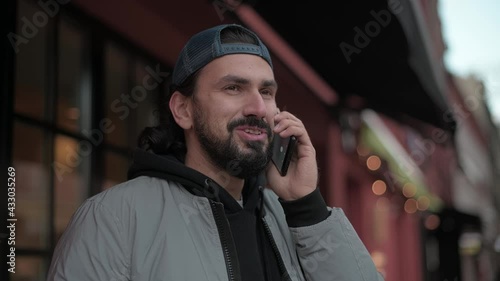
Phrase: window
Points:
(32, 193)
(74, 86)
(82, 95)
(31, 83)
(117, 105)
(131, 95)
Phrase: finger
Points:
(299, 132)
(285, 115)
(291, 130)
(285, 123)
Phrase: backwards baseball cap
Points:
(206, 46)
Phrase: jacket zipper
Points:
(228, 247)
(281, 264)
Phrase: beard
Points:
(226, 153)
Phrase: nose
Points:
(255, 105)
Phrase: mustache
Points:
(250, 121)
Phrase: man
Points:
(203, 201)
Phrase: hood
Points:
(170, 168)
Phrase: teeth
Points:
(255, 132)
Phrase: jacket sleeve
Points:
(328, 248)
(91, 248)
(331, 250)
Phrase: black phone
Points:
(283, 148)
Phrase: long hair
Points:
(168, 137)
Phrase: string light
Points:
(379, 187)
(423, 203)
(362, 150)
(373, 162)
(432, 222)
(411, 206)
(409, 190)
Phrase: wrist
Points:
(308, 210)
(303, 192)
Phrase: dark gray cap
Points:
(206, 46)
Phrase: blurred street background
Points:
(400, 97)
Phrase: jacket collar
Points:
(170, 168)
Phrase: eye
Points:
(266, 92)
(232, 88)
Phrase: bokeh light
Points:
(409, 190)
(411, 206)
(373, 162)
(379, 187)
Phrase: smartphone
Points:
(283, 148)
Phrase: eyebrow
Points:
(244, 81)
(269, 83)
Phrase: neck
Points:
(231, 184)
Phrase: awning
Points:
(403, 170)
(371, 49)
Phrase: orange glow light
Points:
(362, 150)
(409, 190)
(423, 203)
(373, 162)
(411, 206)
(379, 187)
(432, 222)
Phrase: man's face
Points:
(233, 108)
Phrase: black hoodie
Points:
(254, 255)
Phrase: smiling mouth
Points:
(253, 131)
(251, 134)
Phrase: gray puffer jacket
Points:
(151, 228)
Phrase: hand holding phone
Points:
(303, 176)
(283, 149)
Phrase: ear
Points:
(180, 106)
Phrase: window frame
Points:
(98, 36)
